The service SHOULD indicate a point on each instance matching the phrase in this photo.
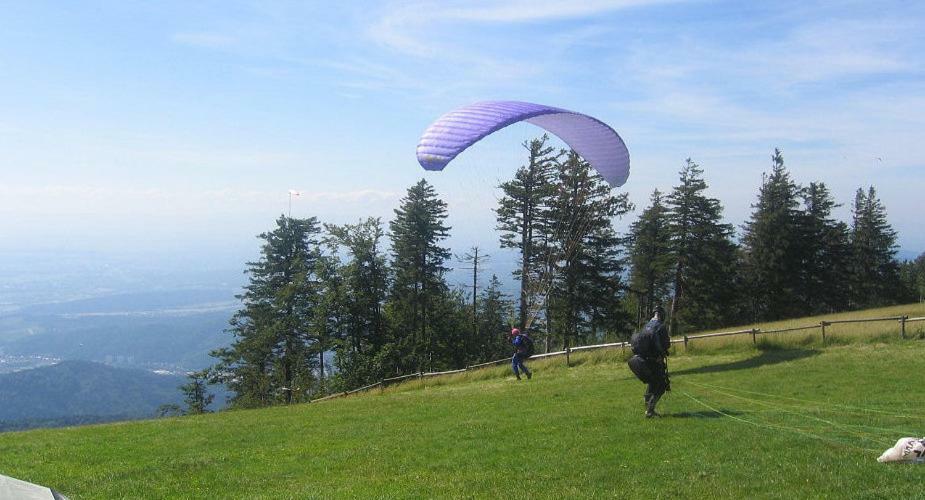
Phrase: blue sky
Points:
(178, 127)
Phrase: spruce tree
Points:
(587, 281)
(524, 224)
(827, 252)
(919, 272)
(328, 319)
(873, 241)
(704, 291)
(772, 247)
(495, 311)
(418, 287)
(196, 393)
(365, 277)
(649, 243)
(908, 276)
(270, 359)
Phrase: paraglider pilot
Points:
(650, 348)
(523, 349)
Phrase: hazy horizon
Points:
(171, 133)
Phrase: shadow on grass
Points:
(767, 357)
(703, 414)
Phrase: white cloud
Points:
(98, 199)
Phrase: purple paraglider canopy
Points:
(591, 138)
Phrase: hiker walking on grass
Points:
(523, 349)
(650, 350)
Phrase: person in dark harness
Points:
(523, 349)
(650, 350)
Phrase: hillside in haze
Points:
(77, 392)
(160, 329)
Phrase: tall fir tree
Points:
(704, 290)
(773, 247)
(495, 313)
(418, 264)
(196, 393)
(649, 243)
(328, 320)
(270, 359)
(522, 217)
(827, 253)
(366, 284)
(875, 269)
(587, 287)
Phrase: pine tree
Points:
(476, 260)
(365, 277)
(418, 266)
(523, 222)
(495, 309)
(919, 271)
(704, 291)
(875, 269)
(587, 284)
(328, 318)
(772, 245)
(824, 287)
(270, 359)
(908, 276)
(649, 243)
(196, 393)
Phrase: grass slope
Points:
(730, 431)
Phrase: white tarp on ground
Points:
(910, 450)
(14, 489)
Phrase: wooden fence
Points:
(686, 340)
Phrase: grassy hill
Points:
(777, 420)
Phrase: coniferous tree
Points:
(649, 243)
(873, 241)
(913, 276)
(270, 359)
(196, 393)
(477, 262)
(704, 291)
(365, 277)
(919, 271)
(418, 287)
(773, 247)
(908, 277)
(495, 313)
(329, 315)
(587, 283)
(524, 224)
(827, 251)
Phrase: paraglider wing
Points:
(591, 138)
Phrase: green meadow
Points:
(787, 417)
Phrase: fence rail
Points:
(686, 340)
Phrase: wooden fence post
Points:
(823, 324)
(568, 362)
(754, 338)
(902, 326)
(685, 343)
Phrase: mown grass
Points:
(878, 331)
(770, 421)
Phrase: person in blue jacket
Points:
(523, 349)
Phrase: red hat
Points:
(515, 331)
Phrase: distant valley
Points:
(171, 330)
(81, 392)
